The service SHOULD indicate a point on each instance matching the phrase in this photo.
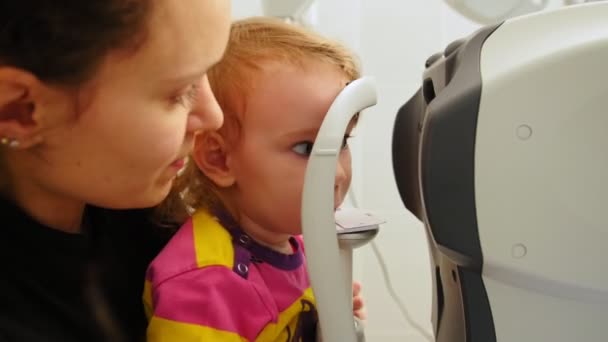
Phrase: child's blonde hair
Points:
(253, 43)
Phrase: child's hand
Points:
(358, 304)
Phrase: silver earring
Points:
(9, 142)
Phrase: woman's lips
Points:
(179, 163)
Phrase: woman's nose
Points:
(206, 113)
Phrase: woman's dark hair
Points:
(63, 41)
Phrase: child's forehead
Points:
(290, 97)
(294, 81)
(300, 64)
(273, 67)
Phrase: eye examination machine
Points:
(502, 153)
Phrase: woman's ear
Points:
(22, 117)
(211, 156)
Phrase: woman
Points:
(99, 101)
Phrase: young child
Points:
(236, 270)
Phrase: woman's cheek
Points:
(164, 144)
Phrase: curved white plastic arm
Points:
(334, 304)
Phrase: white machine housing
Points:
(491, 12)
(503, 154)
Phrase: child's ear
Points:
(211, 156)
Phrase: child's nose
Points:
(340, 182)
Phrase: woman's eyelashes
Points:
(188, 97)
(304, 148)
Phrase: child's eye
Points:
(303, 148)
(188, 98)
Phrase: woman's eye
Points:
(187, 98)
(304, 148)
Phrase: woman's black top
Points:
(57, 286)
